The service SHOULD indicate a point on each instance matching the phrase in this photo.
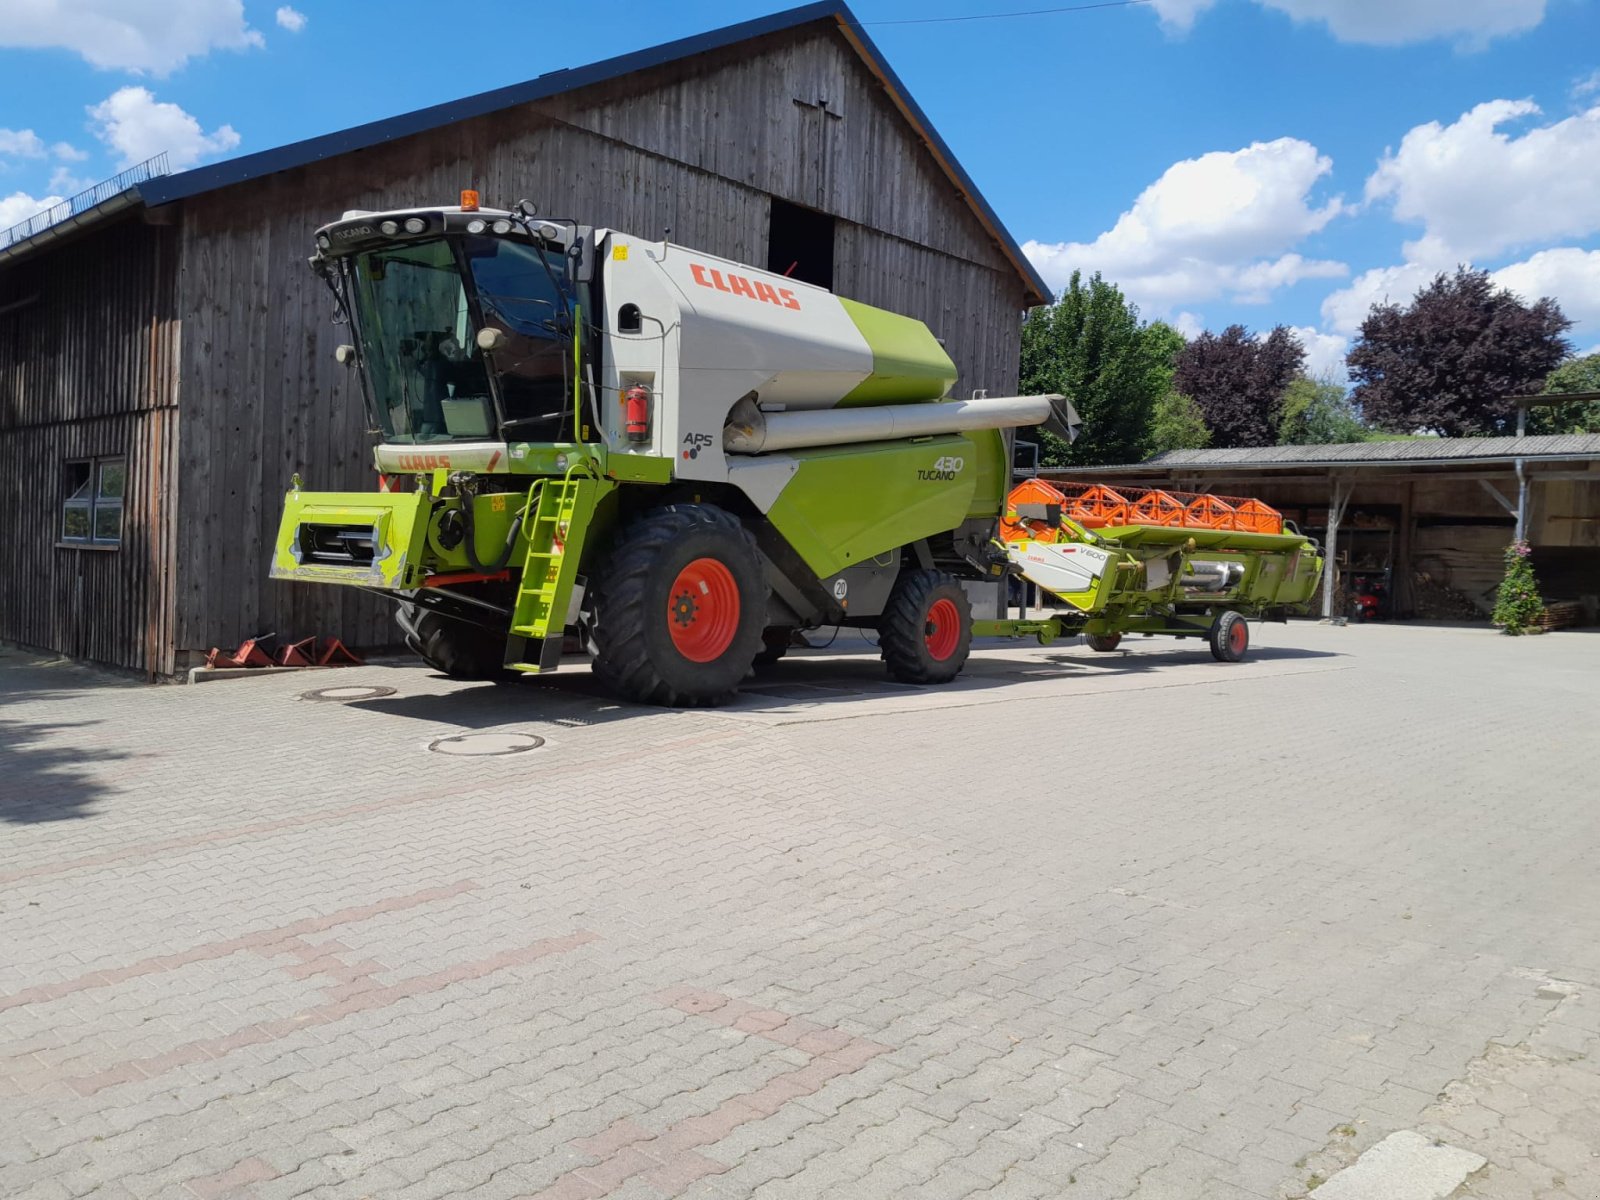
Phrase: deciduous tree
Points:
(1446, 363)
(1177, 424)
(1575, 375)
(1239, 381)
(1317, 412)
(1091, 347)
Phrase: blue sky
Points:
(1259, 161)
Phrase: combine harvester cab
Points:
(678, 460)
(1121, 561)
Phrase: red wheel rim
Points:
(1237, 637)
(943, 632)
(703, 610)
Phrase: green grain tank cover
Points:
(908, 363)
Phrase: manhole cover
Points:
(347, 693)
(479, 745)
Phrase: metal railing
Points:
(85, 200)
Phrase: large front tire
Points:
(455, 648)
(678, 608)
(925, 633)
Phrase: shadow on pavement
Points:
(42, 775)
(824, 677)
(1118, 662)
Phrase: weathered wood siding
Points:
(700, 147)
(87, 370)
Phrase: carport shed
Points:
(1422, 515)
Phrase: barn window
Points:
(92, 509)
(800, 243)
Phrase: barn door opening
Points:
(800, 243)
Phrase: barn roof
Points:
(169, 188)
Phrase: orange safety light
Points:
(469, 200)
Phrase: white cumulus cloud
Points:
(21, 143)
(19, 206)
(1324, 352)
(1222, 224)
(1472, 23)
(1569, 275)
(1478, 190)
(133, 35)
(1344, 310)
(137, 126)
(1566, 274)
(291, 19)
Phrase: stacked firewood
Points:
(1560, 614)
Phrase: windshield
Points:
(519, 295)
(418, 324)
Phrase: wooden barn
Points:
(166, 358)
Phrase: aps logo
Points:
(946, 468)
(694, 443)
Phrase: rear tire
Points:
(1229, 637)
(454, 648)
(678, 608)
(925, 633)
(1103, 643)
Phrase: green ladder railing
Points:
(561, 517)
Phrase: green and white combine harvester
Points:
(686, 461)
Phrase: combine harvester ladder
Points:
(555, 546)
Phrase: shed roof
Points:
(834, 13)
(1365, 454)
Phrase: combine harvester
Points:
(686, 461)
(1152, 562)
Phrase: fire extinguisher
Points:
(636, 413)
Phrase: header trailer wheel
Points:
(1229, 637)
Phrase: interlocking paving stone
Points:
(1157, 927)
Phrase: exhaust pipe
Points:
(751, 431)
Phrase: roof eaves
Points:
(109, 207)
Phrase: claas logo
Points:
(738, 285)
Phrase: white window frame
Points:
(92, 503)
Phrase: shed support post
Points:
(1403, 591)
(1522, 503)
(1338, 497)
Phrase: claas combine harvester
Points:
(685, 461)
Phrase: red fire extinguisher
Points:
(636, 413)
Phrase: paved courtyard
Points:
(1090, 926)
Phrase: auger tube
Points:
(751, 431)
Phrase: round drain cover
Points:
(347, 693)
(479, 745)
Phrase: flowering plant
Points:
(1519, 606)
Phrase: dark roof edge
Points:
(169, 188)
(552, 83)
